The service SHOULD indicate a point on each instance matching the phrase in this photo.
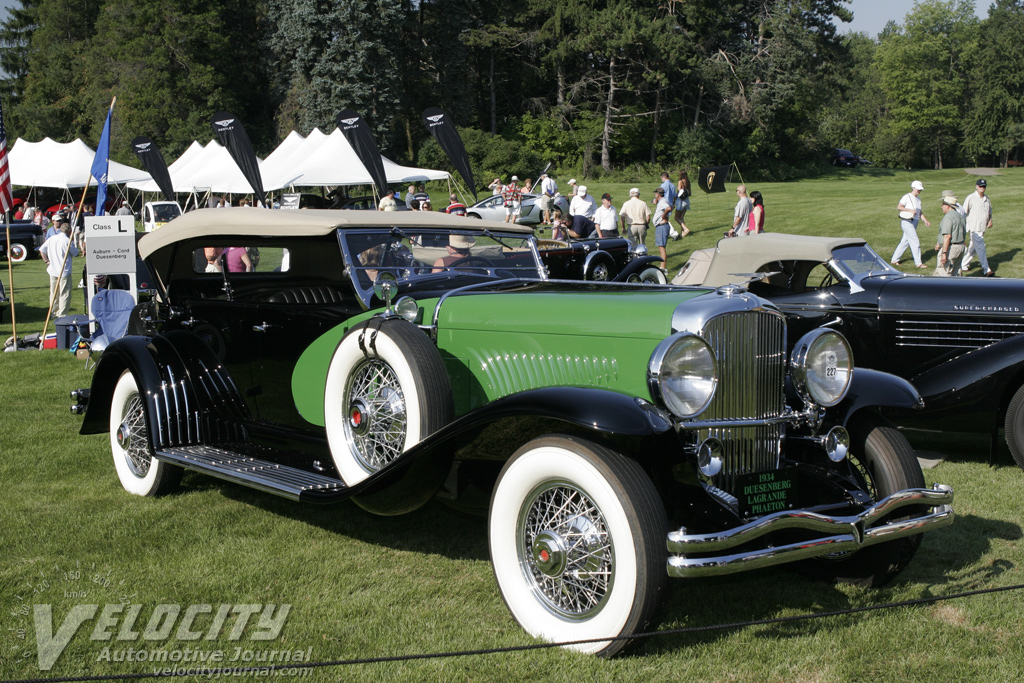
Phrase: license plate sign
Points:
(766, 492)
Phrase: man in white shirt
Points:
(548, 188)
(606, 218)
(582, 204)
(58, 265)
(978, 210)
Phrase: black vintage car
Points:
(614, 434)
(26, 238)
(959, 340)
(613, 260)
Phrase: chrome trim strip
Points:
(845, 533)
(469, 288)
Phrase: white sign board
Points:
(110, 245)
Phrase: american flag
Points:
(6, 198)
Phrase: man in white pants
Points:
(910, 214)
(979, 219)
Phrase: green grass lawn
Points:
(364, 586)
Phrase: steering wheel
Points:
(827, 280)
(466, 260)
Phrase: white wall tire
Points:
(577, 540)
(139, 472)
(18, 252)
(383, 398)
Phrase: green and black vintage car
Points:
(615, 434)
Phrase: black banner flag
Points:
(712, 178)
(447, 135)
(153, 161)
(232, 135)
(355, 130)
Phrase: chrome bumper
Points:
(840, 534)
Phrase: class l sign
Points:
(110, 245)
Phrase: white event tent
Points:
(63, 165)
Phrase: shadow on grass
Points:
(762, 595)
(1002, 258)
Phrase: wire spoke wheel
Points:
(133, 435)
(378, 419)
(565, 549)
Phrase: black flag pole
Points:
(232, 135)
(447, 136)
(153, 161)
(357, 132)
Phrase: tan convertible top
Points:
(304, 222)
(748, 254)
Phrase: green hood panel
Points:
(497, 344)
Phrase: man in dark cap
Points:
(978, 210)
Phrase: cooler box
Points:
(69, 328)
(50, 342)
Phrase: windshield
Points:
(857, 262)
(163, 213)
(437, 259)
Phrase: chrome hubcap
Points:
(565, 550)
(377, 420)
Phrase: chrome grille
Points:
(954, 334)
(751, 350)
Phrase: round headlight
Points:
(407, 308)
(682, 374)
(822, 367)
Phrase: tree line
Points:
(588, 85)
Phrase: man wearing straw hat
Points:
(952, 233)
(57, 252)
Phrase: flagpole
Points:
(10, 279)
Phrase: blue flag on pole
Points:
(101, 163)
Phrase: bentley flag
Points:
(355, 130)
(712, 178)
(153, 161)
(444, 131)
(101, 163)
(232, 135)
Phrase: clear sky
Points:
(871, 16)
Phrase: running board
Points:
(281, 480)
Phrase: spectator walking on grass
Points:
(952, 233)
(548, 188)
(57, 253)
(910, 215)
(979, 219)
(635, 216)
(741, 214)
(662, 210)
(756, 213)
(682, 203)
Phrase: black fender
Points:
(596, 410)
(595, 260)
(971, 392)
(637, 265)
(187, 394)
(875, 389)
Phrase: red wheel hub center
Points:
(356, 416)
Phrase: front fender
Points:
(876, 389)
(636, 266)
(136, 354)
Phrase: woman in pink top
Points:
(756, 214)
(237, 260)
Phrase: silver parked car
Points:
(493, 209)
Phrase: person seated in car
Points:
(458, 249)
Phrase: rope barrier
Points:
(199, 671)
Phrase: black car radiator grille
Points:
(751, 352)
(952, 334)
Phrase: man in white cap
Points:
(125, 210)
(978, 210)
(513, 197)
(572, 187)
(582, 204)
(910, 215)
(635, 215)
